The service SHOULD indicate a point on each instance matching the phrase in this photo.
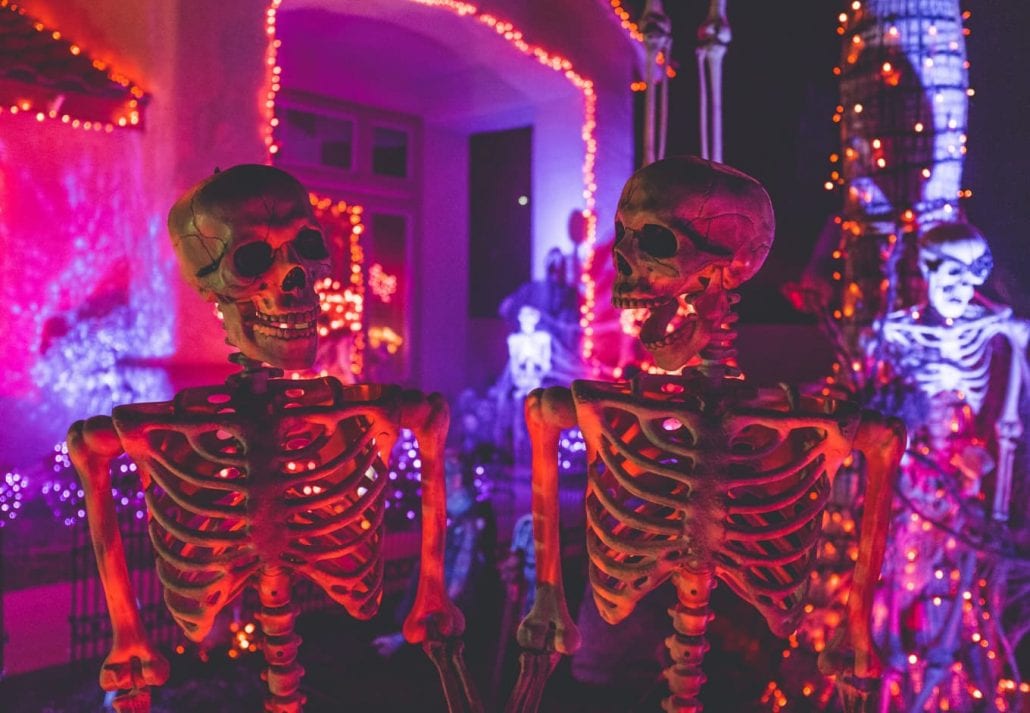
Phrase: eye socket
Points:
(253, 259)
(310, 245)
(657, 241)
(620, 231)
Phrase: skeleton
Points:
(944, 350)
(657, 32)
(529, 352)
(701, 475)
(713, 38)
(261, 479)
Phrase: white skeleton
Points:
(947, 346)
(713, 39)
(529, 353)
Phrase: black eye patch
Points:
(252, 259)
(310, 245)
(657, 241)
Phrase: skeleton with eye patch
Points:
(261, 480)
(936, 607)
(698, 476)
(945, 347)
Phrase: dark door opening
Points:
(500, 219)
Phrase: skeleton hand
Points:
(548, 626)
(133, 667)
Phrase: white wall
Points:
(442, 280)
(202, 64)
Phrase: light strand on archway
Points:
(515, 38)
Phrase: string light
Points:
(342, 304)
(119, 106)
(626, 22)
(383, 285)
(11, 495)
(273, 76)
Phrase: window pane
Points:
(316, 140)
(386, 303)
(390, 152)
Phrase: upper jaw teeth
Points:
(638, 302)
(293, 323)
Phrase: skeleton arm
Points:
(133, 663)
(548, 411)
(1009, 427)
(429, 417)
(434, 621)
(881, 441)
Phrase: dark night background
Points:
(779, 92)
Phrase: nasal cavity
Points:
(622, 265)
(295, 280)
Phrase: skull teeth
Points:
(286, 325)
(633, 303)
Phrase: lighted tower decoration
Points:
(903, 106)
(940, 613)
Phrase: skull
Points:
(247, 238)
(954, 259)
(687, 230)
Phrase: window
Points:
(316, 139)
(367, 157)
(389, 152)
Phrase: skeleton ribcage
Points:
(963, 350)
(733, 483)
(236, 482)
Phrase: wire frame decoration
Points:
(902, 112)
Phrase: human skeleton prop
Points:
(701, 475)
(947, 347)
(261, 479)
(944, 350)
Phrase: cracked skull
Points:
(954, 259)
(246, 238)
(686, 230)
